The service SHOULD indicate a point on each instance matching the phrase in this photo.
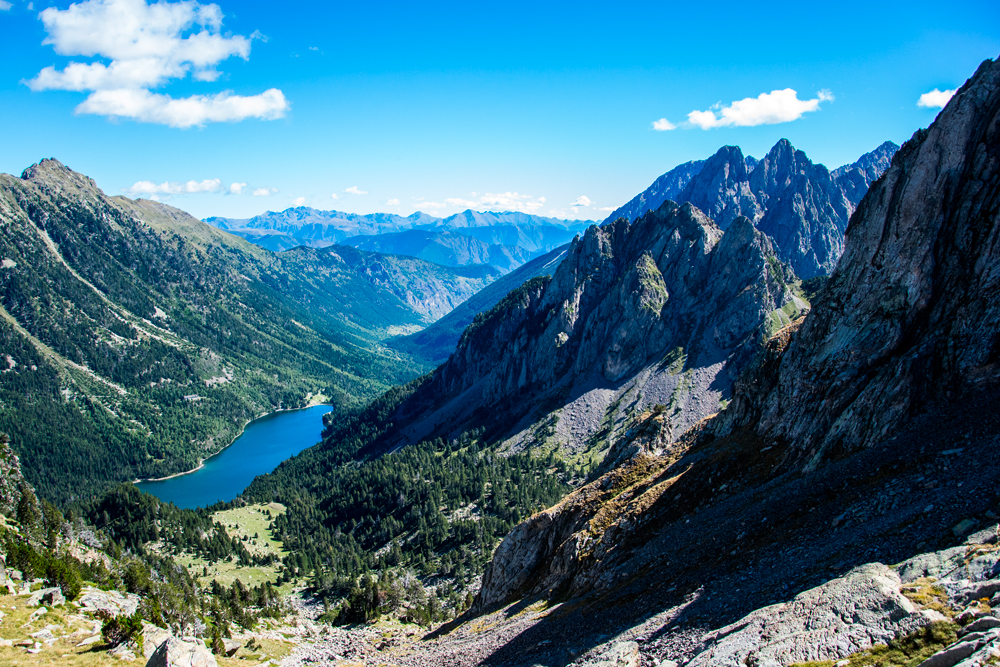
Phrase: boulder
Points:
(829, 622)
(152, 637)
(617, 654)
(230, 647)
(48, 596)
(174, 652)
(112, 603)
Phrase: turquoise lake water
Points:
(264, 444)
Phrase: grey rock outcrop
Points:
(174, 652)
(841, 617)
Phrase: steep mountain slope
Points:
(436, 342)
(838, 449)
(635, 315)
(447, 248)
(157, 336)
(801, 206)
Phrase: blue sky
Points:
(438, 107)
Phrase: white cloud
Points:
(334, 196)
(582, 201)
(174, 187)
(237, 188)
(264, 192)
(185, 112)
(5, 6)
(936, 99)
(298, 201)
(778, 106)
(354, 190)
(663, 125)
(512, 201)
(148, 46)
(606, 209)
(392, 202)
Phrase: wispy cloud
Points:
(778, 106)
(237, 188)
(355, 191)
(582, 201)
(5, 6)
(392, 202)
(663, 125)
(264, 192)
(148, 46)
(334, 196)
(936, 99)
(298, 201)
(148, 107)
(174, 187)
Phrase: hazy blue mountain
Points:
(502, 239)
(448, 248)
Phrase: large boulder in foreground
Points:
(841, 617)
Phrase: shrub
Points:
(120, 629)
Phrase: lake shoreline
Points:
(201, 462)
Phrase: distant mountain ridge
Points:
(801, 206)
(504, 240)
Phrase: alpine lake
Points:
(264, 444)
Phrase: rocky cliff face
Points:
(653, 312)
(800, 205)
(911, 315)
(839, 447)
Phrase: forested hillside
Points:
(135, 340)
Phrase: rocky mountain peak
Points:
(856, 178)
(798, 204)
(51, 174)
